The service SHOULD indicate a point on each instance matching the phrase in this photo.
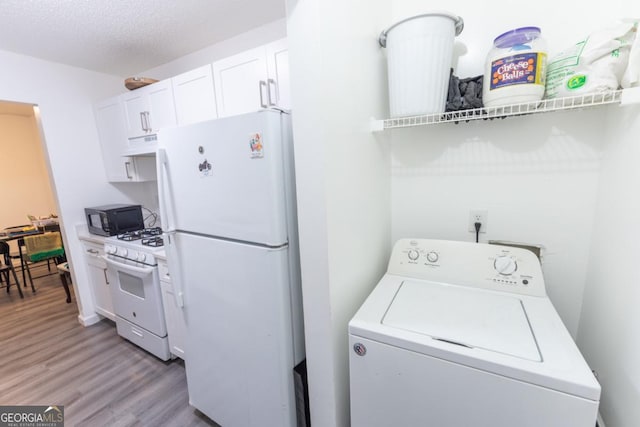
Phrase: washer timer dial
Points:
(505, 265)
(413, 254)
(432, 256)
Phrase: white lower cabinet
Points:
(100, 279)
(176, 326)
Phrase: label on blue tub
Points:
(522, 68)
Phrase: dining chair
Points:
(16, 253)
(40, 248)
(6, 268)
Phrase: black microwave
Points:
(110, 220)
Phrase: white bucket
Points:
(419, 53)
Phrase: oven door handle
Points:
(129, 268)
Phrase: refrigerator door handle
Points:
(172, 256)
(162, 191)
(174, 266)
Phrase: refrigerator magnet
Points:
(255, 143)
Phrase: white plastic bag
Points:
(631, 77)
(595, 64)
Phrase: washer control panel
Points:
(502, 268)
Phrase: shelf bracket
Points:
(377, 125)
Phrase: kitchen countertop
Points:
(83, 234)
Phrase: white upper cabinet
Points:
(149, 109)
(194, 96)
(252, 80)
(112, 133)
(243, 83)
(278, 81)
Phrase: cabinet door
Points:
(162, 110)
(149, 109)
(241, 83)
(278, 81)
(100, 280)
(174, 316)
(110, 122)
(194, 96)
(136, 106)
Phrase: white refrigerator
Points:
(227, 202)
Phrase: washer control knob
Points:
(505, 265)
(413, 254)
(432, 256)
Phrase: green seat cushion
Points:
(39, 256)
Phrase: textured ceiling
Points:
(125, 37)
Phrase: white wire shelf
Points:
(623, 97)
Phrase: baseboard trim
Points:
(88, 320)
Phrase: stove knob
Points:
(505, 265)
(432, 256)
(413, 254)
(142, 256)
(123, 252)
(110, 249)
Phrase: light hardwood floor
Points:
(48, 358)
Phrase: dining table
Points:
(16, 233)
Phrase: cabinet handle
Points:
(148, 121)
(126, 168)
(272, 84)
(262, 85)
(142, 124)
(106, 280)
(92, 251)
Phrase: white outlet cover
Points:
(478, 215)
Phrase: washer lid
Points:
(464, 316)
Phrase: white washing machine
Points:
(461, 334)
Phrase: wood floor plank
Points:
(48, 358)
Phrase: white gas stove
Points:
(137, 247)
(137, 298)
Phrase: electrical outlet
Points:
(480, 216)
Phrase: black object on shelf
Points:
(464, 94)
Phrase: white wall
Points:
(610, 321)
(342, 173)
(65, 96)
(536, 176)
(27, 190)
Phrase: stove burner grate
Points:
(140, 234)
(153, 241)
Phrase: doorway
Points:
(26, 192)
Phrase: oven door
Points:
(137, 296)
